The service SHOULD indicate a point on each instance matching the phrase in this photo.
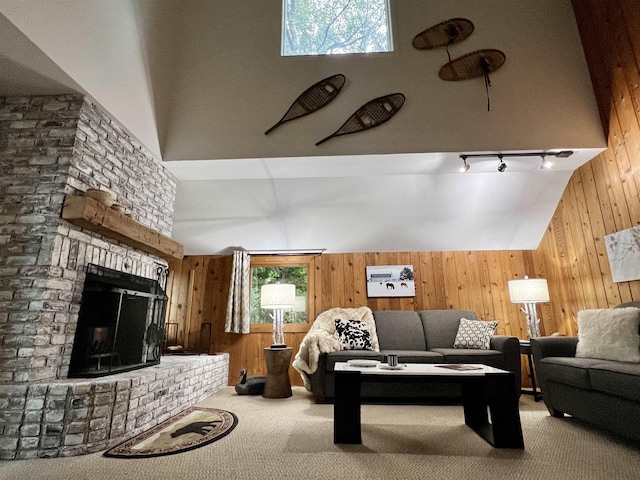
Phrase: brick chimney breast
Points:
(52, 146)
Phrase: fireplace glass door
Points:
(121, 323)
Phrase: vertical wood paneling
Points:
(336, 266)
(486, 290)
(425, 280)
(349, 279)
(450, 279)
(441, 294)
(463, 282)
(360, 279)
(475, 287)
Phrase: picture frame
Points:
(623, 250)
(390, 281)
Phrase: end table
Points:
(277, 383)
(525, 349)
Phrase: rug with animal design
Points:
(192, 428)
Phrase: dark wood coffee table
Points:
(485, 389)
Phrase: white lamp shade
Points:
(529, 290)
(278, 295)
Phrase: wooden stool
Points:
(277, 384)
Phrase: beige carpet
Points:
(292, 439)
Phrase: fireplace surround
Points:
(52, 147)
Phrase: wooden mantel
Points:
(92, 215)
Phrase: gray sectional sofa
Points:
(417, 337)
(604, 393)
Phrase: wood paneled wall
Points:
(601, 198)
(603, 195)
(463, 280)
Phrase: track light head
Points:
(545, 164)
(501, 165)
(465, 166)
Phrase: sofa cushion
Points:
(399, 330)
(570, 370)
(609, 334)
(475, 334)
(441, 326)
(617, 378)
(416, 356)
(493, 358)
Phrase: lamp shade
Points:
(278, 295)
(529, 290)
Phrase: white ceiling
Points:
(199, 82)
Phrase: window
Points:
(331, 27)
(283, 269)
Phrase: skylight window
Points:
(334, 27)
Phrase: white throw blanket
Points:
(322, 338)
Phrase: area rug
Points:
(193, 428)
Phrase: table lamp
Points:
(529, 291)
(278, 297)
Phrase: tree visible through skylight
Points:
(331, 27)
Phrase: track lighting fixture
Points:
(545, 164)
(501, 165)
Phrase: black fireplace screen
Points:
(121, 323)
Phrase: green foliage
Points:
(265, 275)
(322, 27)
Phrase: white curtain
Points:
(238, 317)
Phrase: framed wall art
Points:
(391, 281)
(623, 249)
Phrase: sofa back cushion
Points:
(609, 334)
(630, 304)
(399, 330)
(441, 326)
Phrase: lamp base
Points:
(533, 322)
(278, 345)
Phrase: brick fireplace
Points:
(52, 146)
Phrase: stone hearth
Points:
(77, 416)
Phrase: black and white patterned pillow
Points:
(475, 334)
(353, 334)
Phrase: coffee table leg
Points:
(474, 402)
(496, 394)
(346, 408)
(505, 416)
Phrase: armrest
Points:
(554, 346)
(318, 379)
(542, 347)
(500, 342)
(510, 348)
